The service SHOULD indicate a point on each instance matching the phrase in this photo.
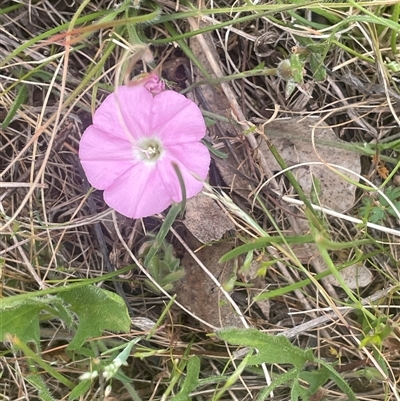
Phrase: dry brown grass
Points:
(54, 229)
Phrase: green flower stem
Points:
(256, 72)
(320, 243)
(210, 28)
(186, 49)
(303, 283)
(262, 242)
(394, 34)
(163, 231)
(352, 51)
(293, 181)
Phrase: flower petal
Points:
(193, 158)
(104, 157)
(139, 192)
(125, 113)
(176, 119)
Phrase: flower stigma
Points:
(149, 150)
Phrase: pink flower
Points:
(150, 80)
(130, 149)
(153, 83)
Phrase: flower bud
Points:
(284, 70)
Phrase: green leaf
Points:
(393, 212)
(271, 349)
(40, 294)
(372, 213)
(278, 381)
(316, 191)
(296, 391)
(82, 388)
(35, 359)
(22, 320)
(164, 267)
(38, 383)
(63, 312)
(215, 152)
(392, 193)
(316, 379)
(317, 67)
(234, 377)
(340, 382)
(191, 380)
(377, 215)
(97, 310)
(21, 97)
(297, 65)
(162, 232)
(212, 380)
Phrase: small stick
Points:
(21, 185)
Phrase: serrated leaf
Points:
(392, 193)
(271, 349)
(376, 215)
(393, 212)
(97, 310)
(63, 312)
(38, 383)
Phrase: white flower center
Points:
(149, 149)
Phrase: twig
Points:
(316, 322)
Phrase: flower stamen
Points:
(150, 149)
